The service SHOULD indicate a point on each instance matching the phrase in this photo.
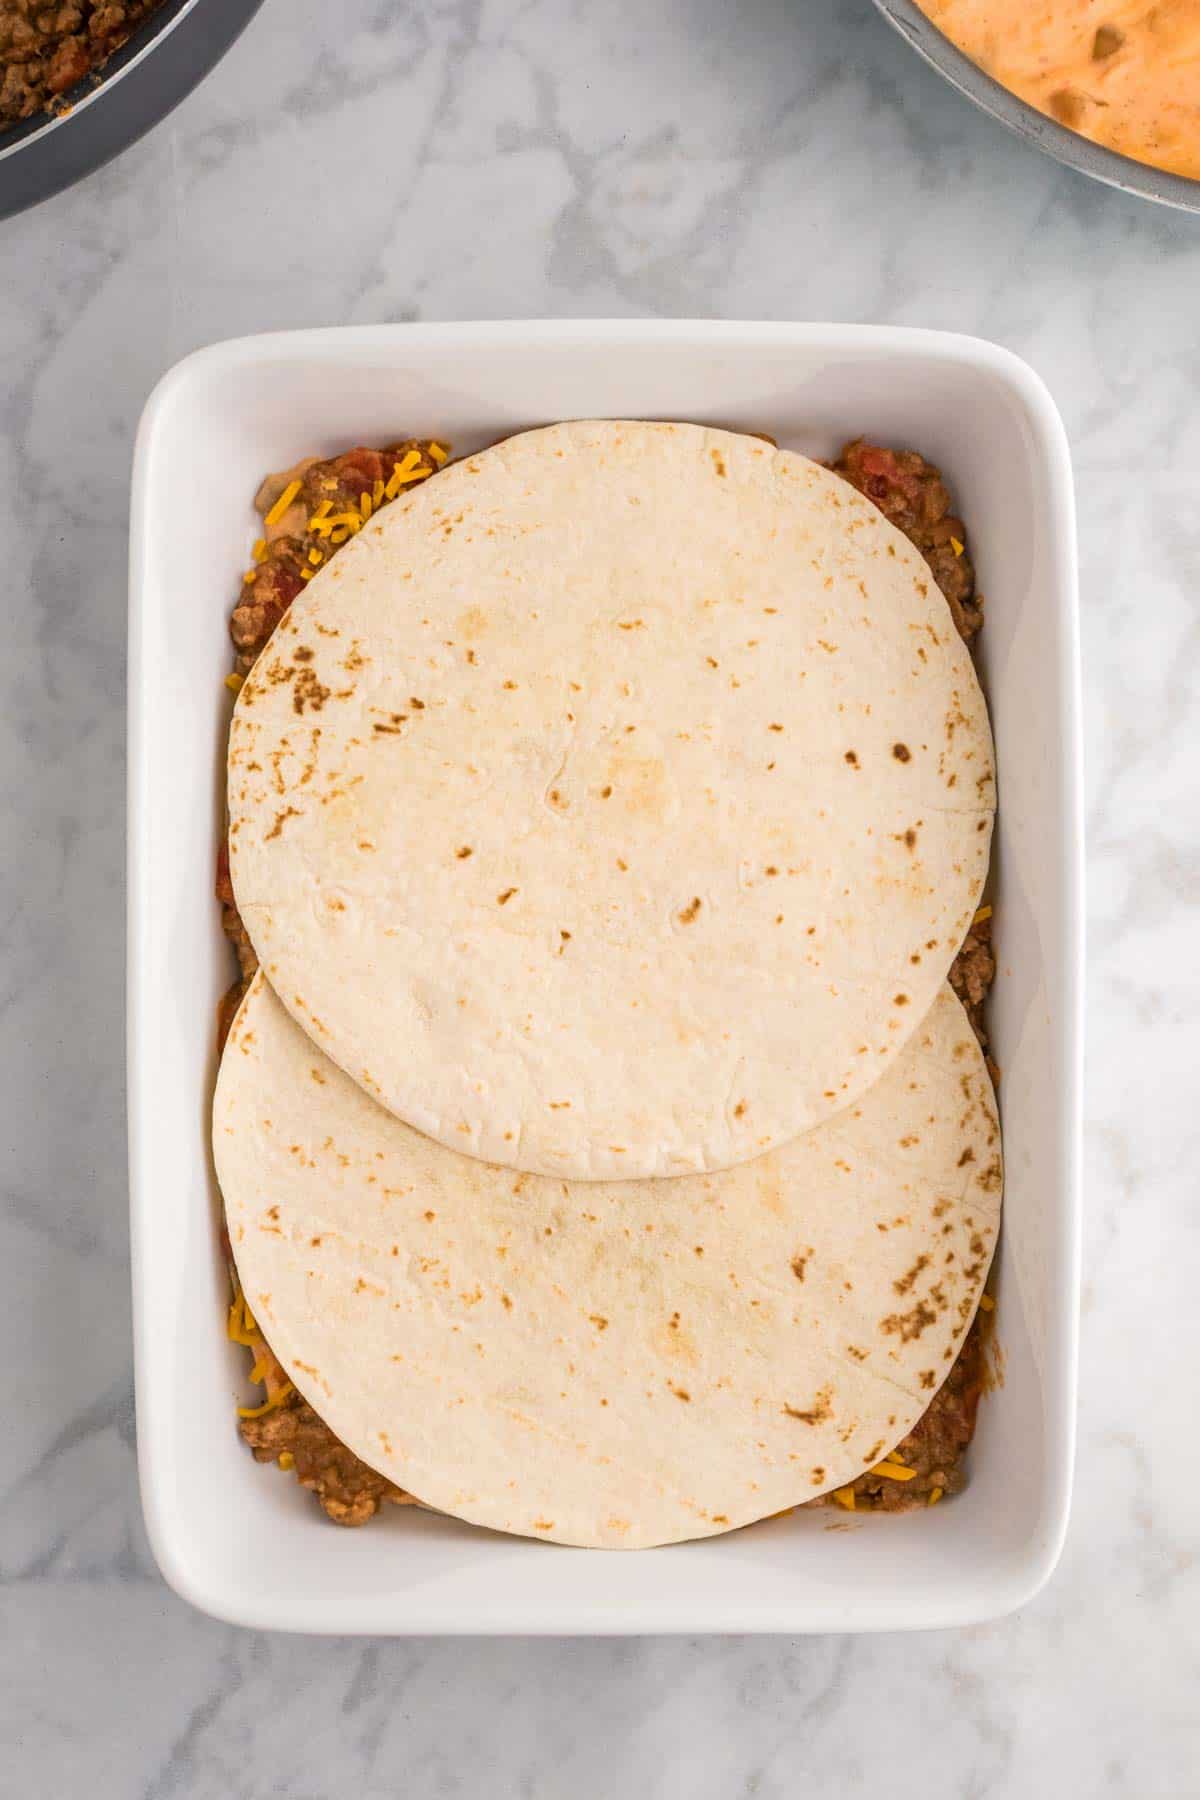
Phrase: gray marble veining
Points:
(454, 158)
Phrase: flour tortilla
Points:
(616, 802)
(610, 1364)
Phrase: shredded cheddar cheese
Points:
(956, 546)
(986, 1303)
(316, 558)
(233, 681)
(268, 1405)
(438, 454)
(286, 1460)
(844, 1496)
(260, 549)
(281, 505)
(894, 1471)
(240, 1328)
(408, 470)
(985, 912)
(239, 1325)
(935, 1495)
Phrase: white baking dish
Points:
(240, 1540)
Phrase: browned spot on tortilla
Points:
(679, 1393)
(820, 1410)
(689, 912)
(506, 1303)
(739, 1111)
(854, 1351)
(315, 1373)
(900, 1000)
(308, 692)
(631, 624)
(599, 1321)
(906, 1281)
(289, 812)
(543, 1524)
(774, 727)
(720, 1518)
(852, 758)
(800, 1263)
(712, 662)
(302, 654)
(718, 461)
(908, 1326)
(504, 898)
(472, 623)
(901, 752)
(991, 1177)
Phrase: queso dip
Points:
(1125, 73)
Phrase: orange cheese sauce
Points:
(1125, 73)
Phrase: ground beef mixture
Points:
(46, 47)
(912, 494)
(349, 1491)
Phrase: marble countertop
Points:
(776, 158)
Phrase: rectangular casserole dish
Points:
(239, 1540)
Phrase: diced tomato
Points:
(358, 471)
